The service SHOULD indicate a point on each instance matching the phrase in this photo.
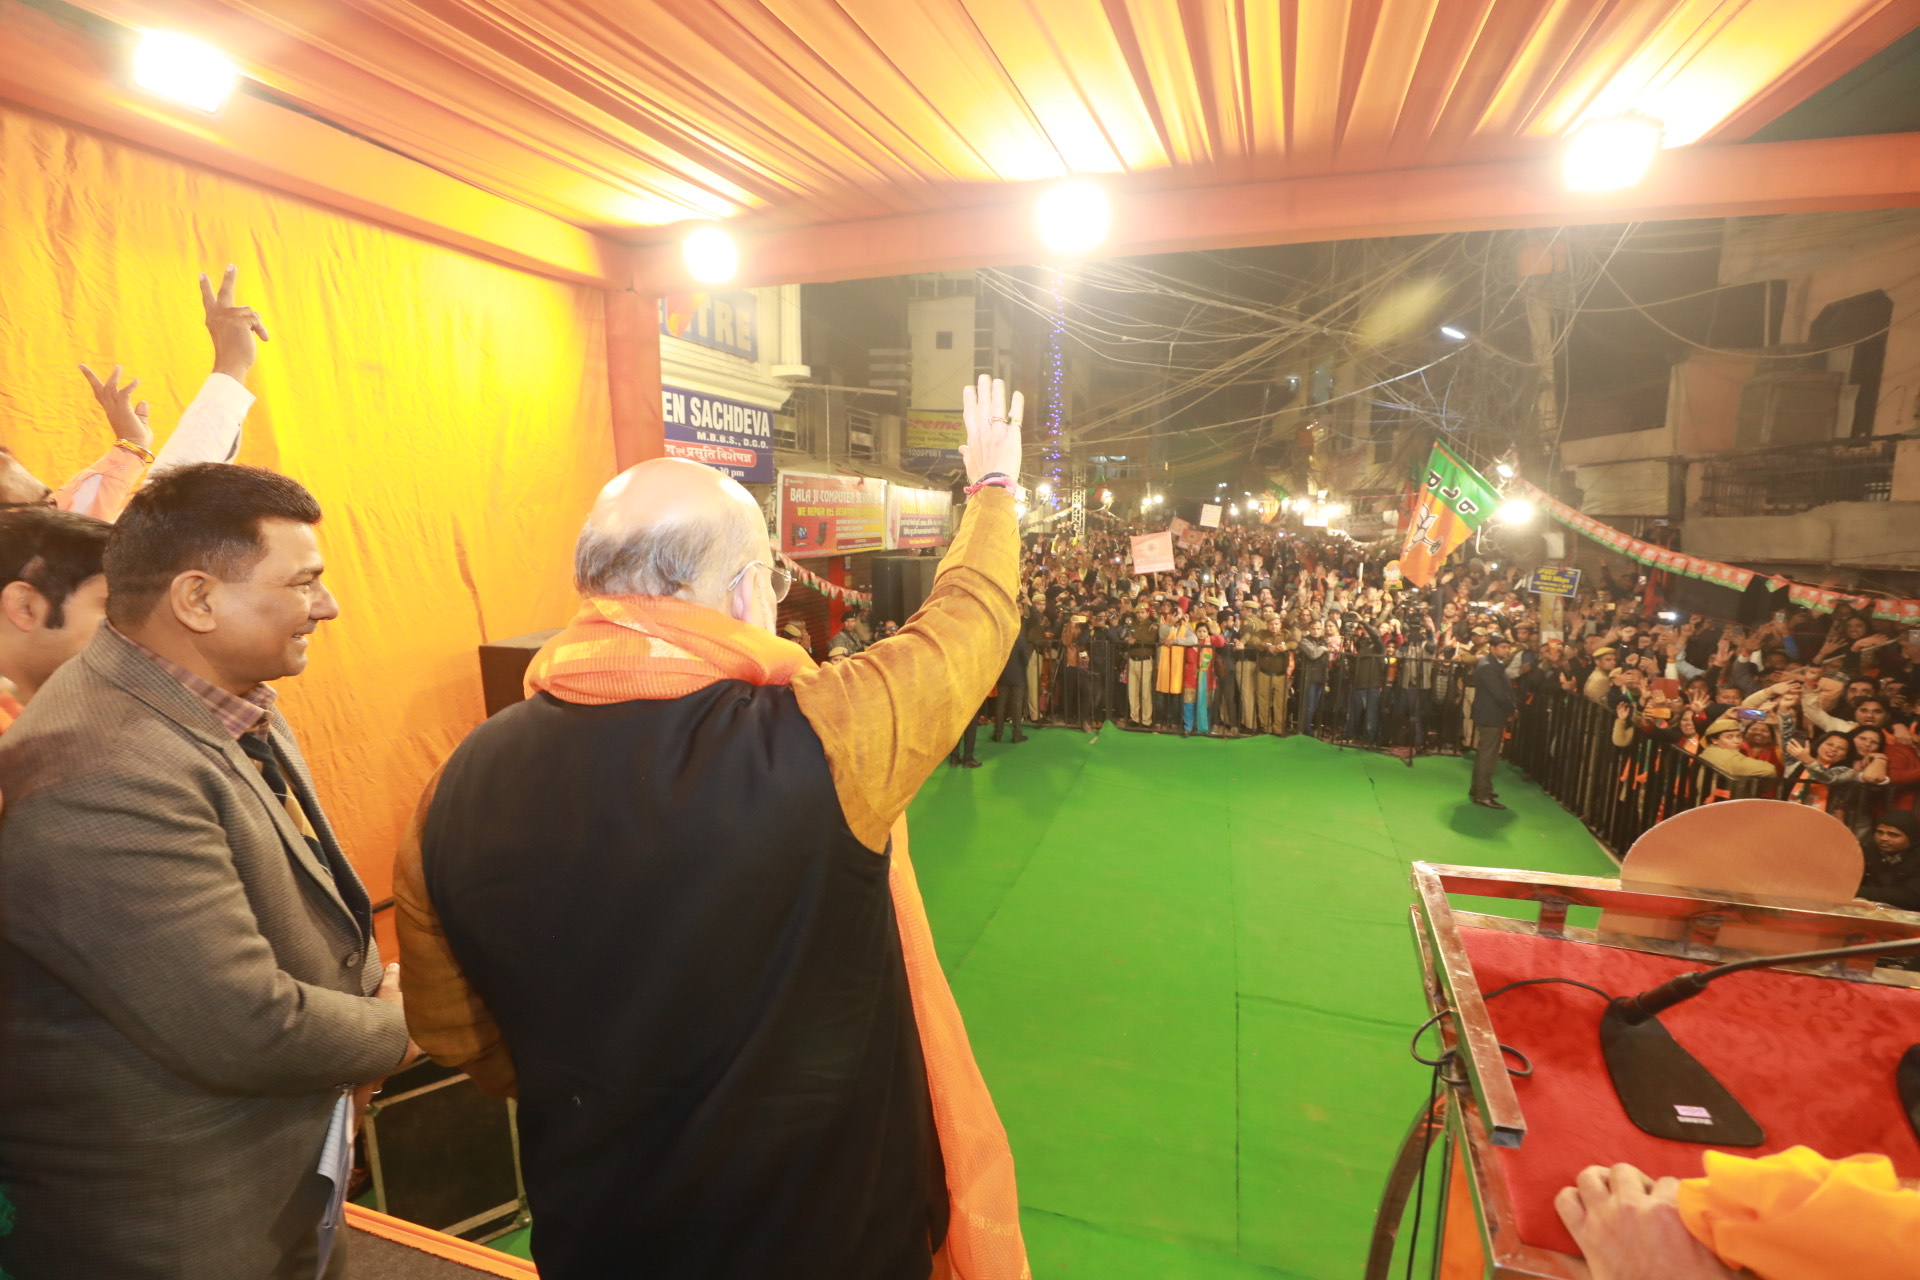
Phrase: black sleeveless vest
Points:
(697, 972)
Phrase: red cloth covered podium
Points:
(1810, 1052)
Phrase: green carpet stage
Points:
(1188, 975)
(1187, 972)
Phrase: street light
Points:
(1515, 511)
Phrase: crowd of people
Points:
(1265, 630)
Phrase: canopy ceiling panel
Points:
(623, 115)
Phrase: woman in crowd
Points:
(1196, 691)
(1834, 776)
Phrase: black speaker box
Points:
(503, 665)
(901, 585)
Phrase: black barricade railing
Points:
(1566, 743)
(1419, 705)
(1400, 704)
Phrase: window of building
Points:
(1857, 326)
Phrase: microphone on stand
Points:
(1665, 1090)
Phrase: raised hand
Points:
(127, 418)
(232, 327)
(993, 430)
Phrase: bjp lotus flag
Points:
(1457, 501)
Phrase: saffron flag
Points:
(1457, 501)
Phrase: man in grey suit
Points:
(189, 989)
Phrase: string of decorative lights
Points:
(1052, 460)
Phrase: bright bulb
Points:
(1610, 153)
(1454, 332)
(183, 69)
(1072, 217)
(1506, 470)
(711, 255)
(1044, 489)
(1515, 511)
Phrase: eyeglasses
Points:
(779, 578)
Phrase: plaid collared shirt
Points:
(238, 716)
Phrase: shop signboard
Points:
(917, 517)
(722, 320)
(1554, 580)
(725, 434)
(932, 440)
(823, 515)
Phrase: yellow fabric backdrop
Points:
(450, 415)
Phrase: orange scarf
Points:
(628, 648)
(1796, 1215)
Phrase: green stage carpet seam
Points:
(961, 962)
(1392, 1024)
(1026, 1209)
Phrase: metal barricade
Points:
(1564, 742)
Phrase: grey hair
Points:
(691, 558)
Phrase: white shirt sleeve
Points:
(87, 493)
(209, 430)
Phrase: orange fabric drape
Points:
(450, 414)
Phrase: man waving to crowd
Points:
(666, 902)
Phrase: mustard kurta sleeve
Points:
(889, 715)
(445, 1016)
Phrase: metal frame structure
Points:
(1478, 1109)
(520, 1217)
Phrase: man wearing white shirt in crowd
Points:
(52, 589)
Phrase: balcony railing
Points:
(1776, 482)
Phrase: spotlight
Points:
(1515, 511)
(1072, 217)
(1044, 489)
(1234, 509)
(1106, 497)
(1505, 469)
(183, 69)
(711, 255)
(1454, 332)
(1610, 153)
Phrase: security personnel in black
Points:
(1494, 701)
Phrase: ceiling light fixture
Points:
(1073, 217)
(711, 255)
(1610, 153)
(184, 70)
